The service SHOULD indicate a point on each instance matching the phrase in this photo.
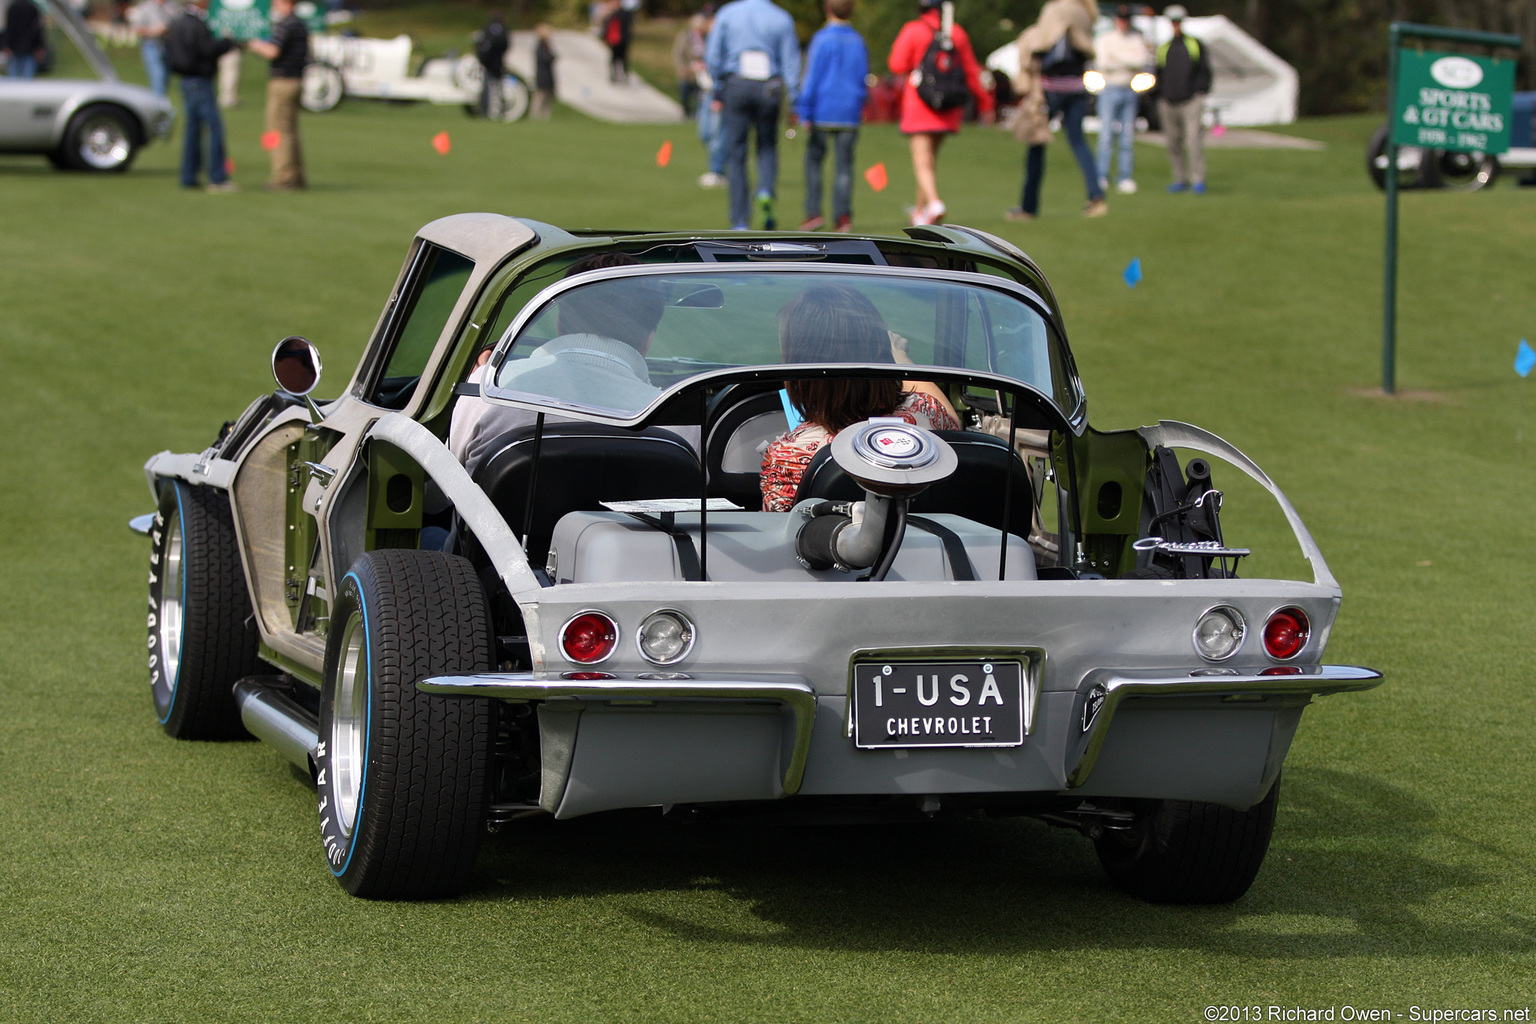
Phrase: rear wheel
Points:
(201, 634)
(1463, 172)
(322, 87)
(403, 776)
(1186, 851)
(514, 99)
(101, 137)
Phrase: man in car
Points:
(597, 359)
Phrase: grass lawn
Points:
(145, 879)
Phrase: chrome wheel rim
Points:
(170, 611)
(104, 143)
(349, 723)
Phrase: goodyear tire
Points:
(202, 636)
(1185, 851)
(403, 777)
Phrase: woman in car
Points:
(836, 324)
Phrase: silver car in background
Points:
(79, 123)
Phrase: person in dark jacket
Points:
(23, 38)
(193, 53)
(491, 51)
(543, 73)
(1183, 79)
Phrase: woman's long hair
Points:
(836, 324)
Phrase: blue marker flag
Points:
(1132, 273)
(1525, 359)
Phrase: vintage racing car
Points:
(594, 612)
(342, 65)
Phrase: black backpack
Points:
(940, 79)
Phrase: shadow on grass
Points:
(1349, 874)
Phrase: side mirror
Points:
(296, 366)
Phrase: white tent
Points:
(1249, 84)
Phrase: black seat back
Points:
(987, 470)
(580, 466)
(745, 419)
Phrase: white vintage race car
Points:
(457, 596)
(342, 66)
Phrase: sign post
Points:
(1443, 101)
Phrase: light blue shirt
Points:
(759, 25)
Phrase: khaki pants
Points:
(283, 118)
(1185, 131)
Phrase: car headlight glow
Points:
(1219, 633)
(665, 637)
(1142, 81)
(1093, 81)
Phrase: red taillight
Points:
(589, 638)
(1286, 633)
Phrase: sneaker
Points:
(1126, 186)
(1097, 208)
(1178, 187)
(929, 214)
(812, 223)
(844, 223)
(1018, 213)
(764, 204)
(1199, 188)
(709, 179)
(221, 188)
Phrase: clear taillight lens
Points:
(1219, 633)
(665, 637)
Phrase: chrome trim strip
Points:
(797, 695)
(1327, 679)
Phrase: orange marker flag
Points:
(877, 178)
(229, 166)
(270, 140)
(441, 144)
(664, 154)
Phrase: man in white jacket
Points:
(1120, 56)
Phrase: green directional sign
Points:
(1451, 101)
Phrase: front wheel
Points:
(514, 99)
(1413, 164)
(202, 637)
(402, 777)
(1186, 851)
(102, 137)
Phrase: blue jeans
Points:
(202, 112)
(843, 141)
(711, 135)
(153, 52)
(23, 65)
(1117, 120)
(1072, 107)
(750, 106)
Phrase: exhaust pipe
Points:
(273, 717)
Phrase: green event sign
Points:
(1452, 101)
(252, 19)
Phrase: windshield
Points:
(613, 345)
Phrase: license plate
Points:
(938, 704)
